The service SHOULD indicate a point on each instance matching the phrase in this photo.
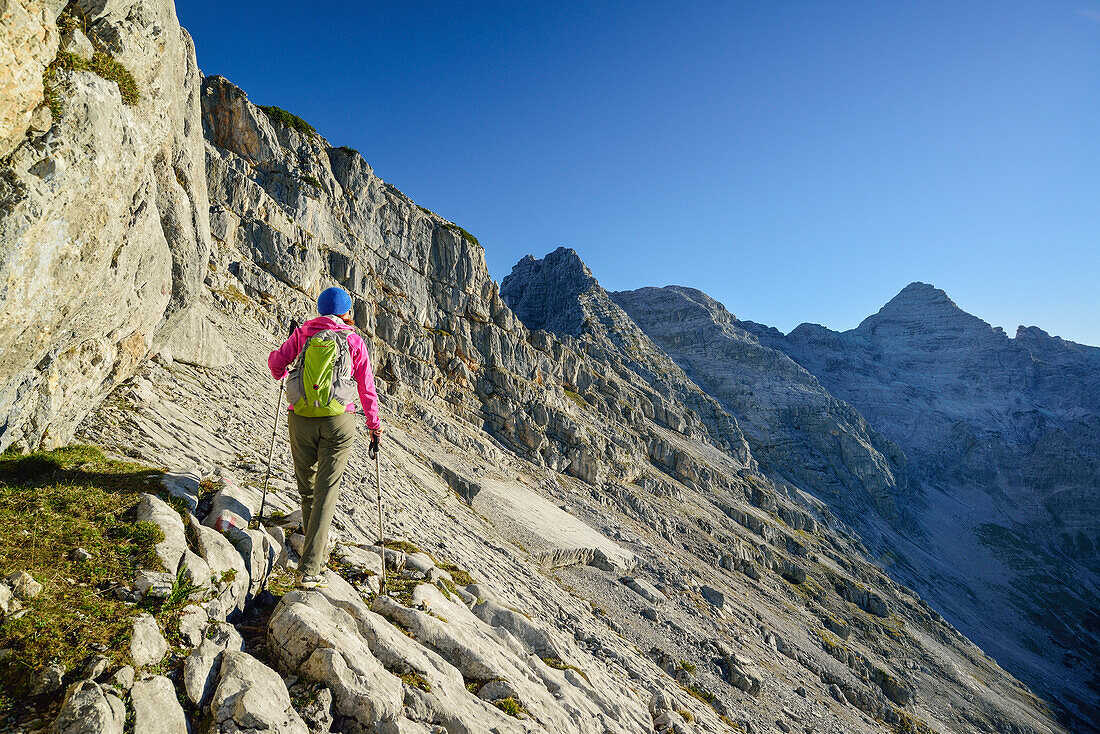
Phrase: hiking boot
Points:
(312, 582)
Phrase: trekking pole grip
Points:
(372, 450)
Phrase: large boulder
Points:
(313, 638)
(200, 670)
(171, 549)
(252, 697)
(227, 567)
(147, 646)
(89, 708)
(156, 708)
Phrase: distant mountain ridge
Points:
(998, 439)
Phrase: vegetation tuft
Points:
(510, 706)
(51, 503)
(312, 181)
(459, 230)
(281, 116)
(100, 64)
(702, 694)
(460, 576)
(416, 680)
(559, 664)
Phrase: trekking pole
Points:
(373, 452)
(274, 433)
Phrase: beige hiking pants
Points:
(321, 448)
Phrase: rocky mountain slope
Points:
(1003, 437)
(603, 552)
(999, 436)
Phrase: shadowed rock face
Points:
(796, 429)
(547, 294)
(1002, 437)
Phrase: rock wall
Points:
(798, 431)
(28, 44)
(292, 215)
(103, 220)
(1003, 440)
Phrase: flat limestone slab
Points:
(551, 535)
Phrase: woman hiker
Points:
(329, 367)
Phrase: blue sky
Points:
(798, 161)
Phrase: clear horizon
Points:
(799, 162)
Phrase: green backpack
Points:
(320, 382)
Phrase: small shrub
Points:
(416, 680)
(703, 695)
(312, 181)
(281, 116)
(100, 64)
(559, 664)
(510, 706)
(348, 151)
(687, 715)
(686, 665)
(576, 398)
(459, 230)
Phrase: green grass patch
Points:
(404, 546)
(460, 576)
(686, 665)
(416, 680)
(686, 715)
(510, 706)
(576, 398)
(459, 230)
(312, 181)
(287, 119)
(700, 693)
(349, 150)
(50, 503)
(400, 588)
(100, 64)
(559, 664)
(280, 581)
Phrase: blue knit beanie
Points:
(333, 302)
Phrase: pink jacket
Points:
(284, 356)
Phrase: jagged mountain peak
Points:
(921, 312)
(544, 292)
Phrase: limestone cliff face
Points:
(28, 44)
(797, 430)
(103, 222)
(1003, 440)
(559, 294)
(549, 463)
